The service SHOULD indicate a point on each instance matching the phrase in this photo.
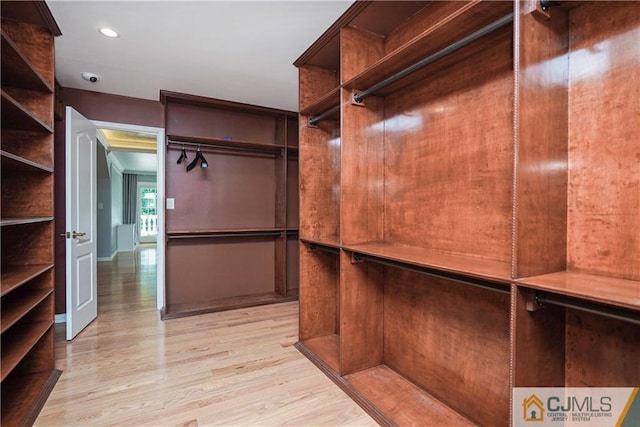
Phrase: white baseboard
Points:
(61, 318)
(107, 259)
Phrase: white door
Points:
(80, 178)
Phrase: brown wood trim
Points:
(48, 18)
(165, 315)
(167, 96)
(333, 31)
(344, 385)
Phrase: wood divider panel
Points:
(541, 197)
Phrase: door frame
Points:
(139, 186)
(160, 177)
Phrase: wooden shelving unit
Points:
(234, 228)
(26, 219)
(463, 224)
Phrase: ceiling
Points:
(235, 50)
(134, 152)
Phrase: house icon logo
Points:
(533, 409)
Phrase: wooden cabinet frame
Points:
(510, 163)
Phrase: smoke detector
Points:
(91, 77)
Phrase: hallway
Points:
(230, 368)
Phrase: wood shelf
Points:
(332, 241)
(469, 17)
(401, 400)
(327, 349)
(14, 350)
(238, 232)
(15, 116)
(173, 311)
(11, 162)
(606, 290)
(220, 143)
(21, 306)
(326, 102)
(18, 71)
(480, 268)
(14, 277)
(23, 221)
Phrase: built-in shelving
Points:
(27, 365)
(448, 144)
(228, 231)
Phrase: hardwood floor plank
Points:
(228, 368)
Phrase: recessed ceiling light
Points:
(108, 32)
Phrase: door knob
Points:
(73, 235)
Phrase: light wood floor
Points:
(237, 367)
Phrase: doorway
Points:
(158, 221)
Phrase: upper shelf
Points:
(600, 289)
(225, 144)
(465, 20)
(20, 164)
(480, 268)
(18, 71)
(15, 116)
(323, 104)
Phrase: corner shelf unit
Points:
(26, 219)
(464, 227)
(232, 237)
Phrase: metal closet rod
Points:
(543, 299)
(230, 234)
(314, 120)
(359, 97)
(206, 145)
(433, 273)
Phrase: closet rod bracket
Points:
(355, 258)
(356, 100)
(543, 9)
